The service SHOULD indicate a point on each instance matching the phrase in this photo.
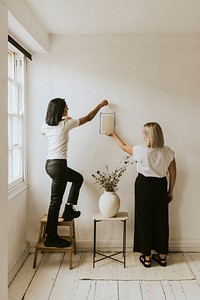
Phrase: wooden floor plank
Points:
(19, 285)
(66, 280)
(85, 289)
(191, 289)
(45, 277)
(106, 290)
(91, 294)
(177, 290)
(152, 290)
(167, 290)
(130, 290)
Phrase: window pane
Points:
(10, 131)
(17, 131)
(17, 163)
(14, 131)
(13, 102)
(11, 66)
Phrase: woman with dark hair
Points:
(56, 128)
(152, 193)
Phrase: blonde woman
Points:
(153, 192)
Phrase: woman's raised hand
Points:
(110, 133)
(104, 103)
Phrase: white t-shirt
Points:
(58, 137)
(152, 162)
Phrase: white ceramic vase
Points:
(109, 204)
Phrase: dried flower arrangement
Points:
(109, 180)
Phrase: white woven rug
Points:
(177, 269)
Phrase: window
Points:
(16, 114)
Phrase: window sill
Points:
(17, 190)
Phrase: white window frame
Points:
(19, 81)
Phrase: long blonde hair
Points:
(153, 135)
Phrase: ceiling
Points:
(117, 16)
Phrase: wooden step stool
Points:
(42, 248)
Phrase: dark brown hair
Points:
(55, 111)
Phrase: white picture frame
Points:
(107, 122)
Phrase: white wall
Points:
(18, 246)
(145, 78)
(3, 151)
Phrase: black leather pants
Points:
(58, 170)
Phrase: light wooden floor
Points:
(52, 280)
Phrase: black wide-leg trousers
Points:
(60, 173)
(151, 215)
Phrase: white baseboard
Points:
(21, 259)
(184, 245)
(174, 245)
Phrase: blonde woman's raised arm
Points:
(126, 148)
